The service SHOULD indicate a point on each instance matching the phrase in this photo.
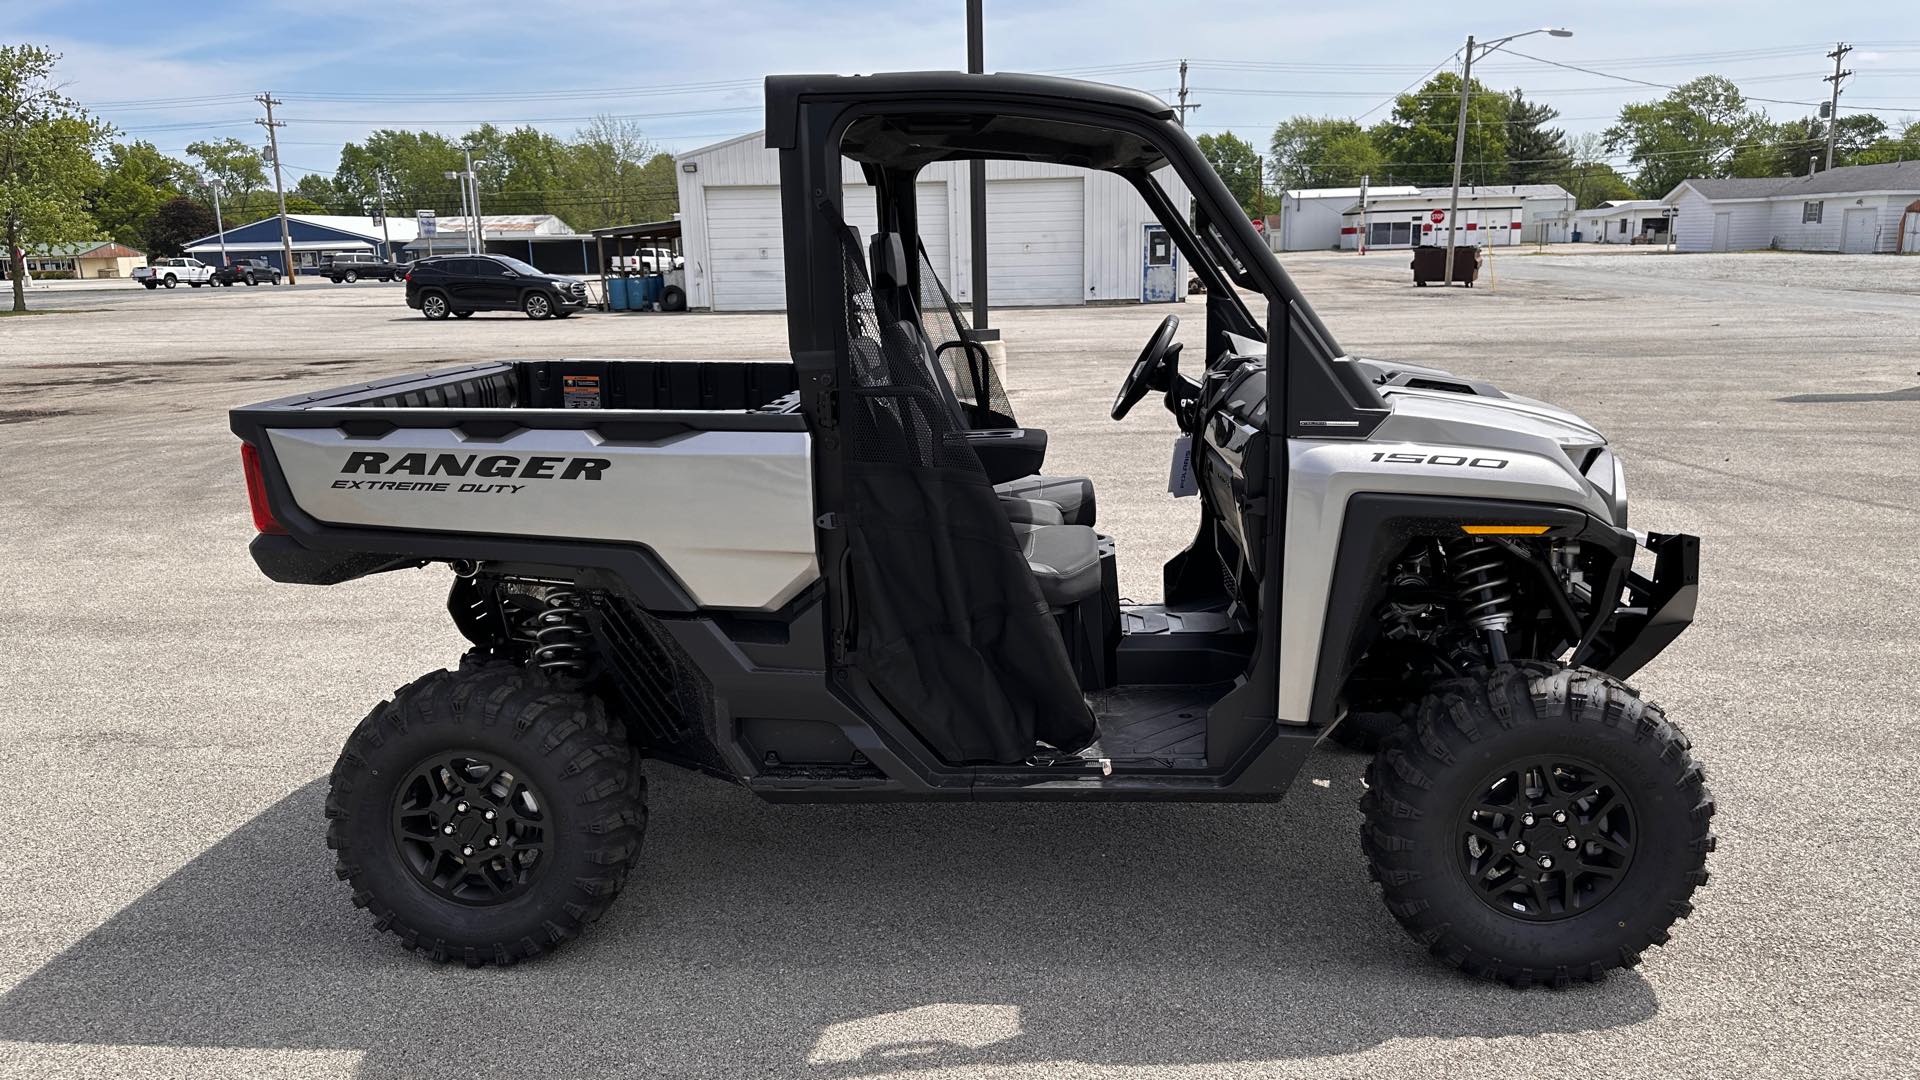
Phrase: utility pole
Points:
(1840, 50)
(1360, 240)
(279, 187)
(479, 224)
(1459, 153)
(219, 223)
(386, 237)
(977, 180)
(1183, 106)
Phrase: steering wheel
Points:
(1142, 377)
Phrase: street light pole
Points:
(219, 223)
(1460, 131)
(479, 224)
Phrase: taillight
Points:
(263, 519)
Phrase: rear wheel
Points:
(537, 305)
(434, 305)
(1540, 824)
(170, 281)
(349, 277)
(485, 815)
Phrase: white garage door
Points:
(1035, 230)
(746, 260)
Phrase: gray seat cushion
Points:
(1031, 511)
(1065, 560)
(1072, 494)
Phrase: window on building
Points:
(1623, 226)
(1387, 233)
(1810, 212)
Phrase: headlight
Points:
(1608, 475)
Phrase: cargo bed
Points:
(610, 463)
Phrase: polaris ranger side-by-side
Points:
(845, 575)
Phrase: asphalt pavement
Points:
(171, 714)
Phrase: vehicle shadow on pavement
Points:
(829, 941)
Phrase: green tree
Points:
(1902, 147)
(1589, 177)
(410, 164)
(1308, 151)
(1536, 153)
(619, 176)
(316, 190)
(176, 223)
(239, 169)
(1418, 138)
(47, 149)
(1238, 164)
(135, 181)
(1698, 130)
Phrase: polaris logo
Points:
(493, 465)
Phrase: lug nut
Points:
(448, 829)
(494, 841)
(488, 816)
(461, 807)
(1519, 848)
(1526, 819)
(469, 851)
(1559, 817)
(1546, 862)
(1572, 844)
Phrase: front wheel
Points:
(486, 815)
(537, 306)
(1538, 824)
(349, 277)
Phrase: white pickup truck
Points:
(171, 272)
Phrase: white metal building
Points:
(1856, 208)
(1055, 234)
(1310, 218)
(1408, 221)
(1546, 210)
(1623, 221)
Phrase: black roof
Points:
(901, 141)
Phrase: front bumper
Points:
(1658, 609)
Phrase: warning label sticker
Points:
(580, 391)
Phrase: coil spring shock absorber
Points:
(1479, 574)
(560, 634)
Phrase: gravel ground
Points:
(171, 716)
(1779, 269)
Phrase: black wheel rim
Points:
(470, 827)
(1546, 838)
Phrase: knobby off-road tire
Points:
(520, 748)
(1434, 855)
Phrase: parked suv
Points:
(249, 271)
(460, 285)
(352, 266)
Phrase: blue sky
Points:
(689, 72)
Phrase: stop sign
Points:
(1439, 216)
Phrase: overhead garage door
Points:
(1035, 230)
(747, 263)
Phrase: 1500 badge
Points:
(1442, 459)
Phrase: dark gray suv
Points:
(460, 285)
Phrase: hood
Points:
(1443, 394)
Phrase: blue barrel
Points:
(652, 288)
(617, 294)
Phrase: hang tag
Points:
(1180, 478)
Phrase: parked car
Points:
(352, 266)
(247, 271)
(648, 261)
(171, 272)
(460, 285)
